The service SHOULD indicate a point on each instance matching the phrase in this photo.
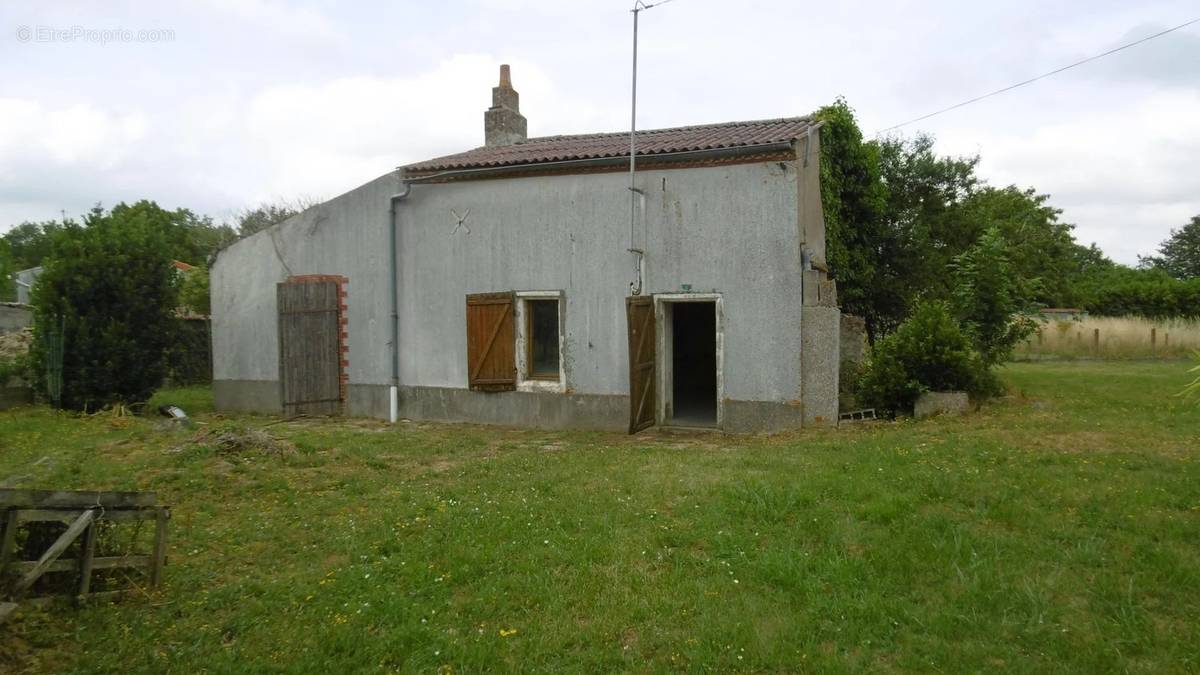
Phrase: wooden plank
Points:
(71, 499)
(160, 548)
(69, 515)
(56, 549)
(87, 559)
(9, 541)
(102, 563)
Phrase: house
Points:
(24, 280)
(527, 282)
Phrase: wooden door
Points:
(309, 348)
(639, 311)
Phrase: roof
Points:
(182, 266)
(650, 142)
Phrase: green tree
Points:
(1039, 245)
(266, 214)
(852, 197)
(29, 242)
(1179, 255)
(193, 292)
(8, 288)
(186, 236)
(991, 298)
(922, 222)
(110, 287)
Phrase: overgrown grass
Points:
(1113, 338)
(1056, 530)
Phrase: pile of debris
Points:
(236, 441)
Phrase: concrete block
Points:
(941, 403)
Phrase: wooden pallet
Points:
(82, 512)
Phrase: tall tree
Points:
(991, 298)
(108, 291)
(923, 226)
(8, 289)
(1039, 245)
(266, 214)
(1179, 255)
(29, 242)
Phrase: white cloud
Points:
(77, 135)
(1124, 173)
(325, 138)
(295, 21)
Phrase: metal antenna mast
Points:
(635, 288)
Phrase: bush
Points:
(927, 352)
(108, 290)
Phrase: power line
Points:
(1039, 77)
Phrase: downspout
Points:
(394, 390)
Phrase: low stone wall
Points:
(14, 317)
(941, 403)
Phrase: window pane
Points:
(543, 338)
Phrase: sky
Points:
(217, 105)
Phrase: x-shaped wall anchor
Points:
(462, 221)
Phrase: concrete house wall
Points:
(740, 229)
(734, 230)
(730, 230)
(347, 235)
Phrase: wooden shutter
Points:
(639, 311)
(309, 347)
(491, 343)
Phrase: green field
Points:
(1058, 529)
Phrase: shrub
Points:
(927, 352)
(108, 290)
(12, 368)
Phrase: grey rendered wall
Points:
(729, 229)
(347, 235)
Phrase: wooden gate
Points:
(639, 311)
(310, 347)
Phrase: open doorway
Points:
(690, 355)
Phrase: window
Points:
(514, 341)
(541, 339)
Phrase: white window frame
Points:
(524, 383)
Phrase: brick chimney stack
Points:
(503, 123)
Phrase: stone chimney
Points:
(503, 123)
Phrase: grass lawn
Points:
(1056, 530)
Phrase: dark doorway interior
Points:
(694, 363)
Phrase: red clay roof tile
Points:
(649, 142)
